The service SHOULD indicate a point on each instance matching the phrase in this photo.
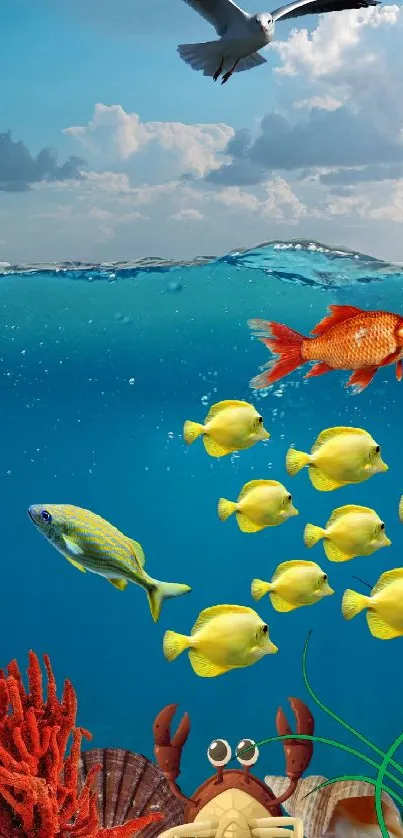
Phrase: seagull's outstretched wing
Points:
(218, 12)
(318, 7)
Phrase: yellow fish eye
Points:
(324, 577)
(260, 419)
(265, 629)
(382, 526)
(377, 449)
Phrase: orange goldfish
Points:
(346, 339)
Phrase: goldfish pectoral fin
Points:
(280, 604)
(321, 481)
(120, 584)
(76, 564)
(333, 553)
(72, 546)
(138, 552)
(318, 369)
(203, 667)
(246, 525)
(361, 378)
(214, 448)
(380, 629)
(399, 370)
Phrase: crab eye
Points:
(219, 753)
(251, 755)
(46, 516)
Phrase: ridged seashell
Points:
(130, 786)
(345, 809)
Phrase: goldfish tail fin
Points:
(259, 588)
(296, 460)
(191, 431)
(158, 592)
(353, 603)
(174, 644)
(225, 508)
(313, 534)
(282, 341)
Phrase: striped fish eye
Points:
(46, 516)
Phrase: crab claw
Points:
(298, 752)
(168, 751)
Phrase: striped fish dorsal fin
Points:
(338, 314)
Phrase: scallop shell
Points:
(348, 801)
(130, 786)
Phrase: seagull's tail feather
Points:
(206, 57)
(250, 61)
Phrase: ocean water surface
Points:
(99, 368)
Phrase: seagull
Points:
(241, 35)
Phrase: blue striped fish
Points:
(89, 542)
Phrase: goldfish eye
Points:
(251, 755)
(46, 516)
(219, 753)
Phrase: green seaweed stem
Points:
(379, 783)
(337, 718)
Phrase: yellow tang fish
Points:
(262, 503)
(350, 531)
(339, 456)
(229, 426)
(294, 584)
(89, 542)
(401, 509)
(385, 605)
(224, 637)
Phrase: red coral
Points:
(38, 784)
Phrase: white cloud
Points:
(325, 103)
(114, 134)
(187, 215)
(327, 49)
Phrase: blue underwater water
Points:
(99, 368)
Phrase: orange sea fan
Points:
(39, 796)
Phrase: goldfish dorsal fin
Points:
(138, 551)
(288, 565)
(72, 546)
(217, 408)
(331, 433)
(255, 484)
(346, 510)
(217, 611)
(338, 314)
(386, 579)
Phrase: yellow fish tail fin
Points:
(174, 644)
(401, 509)
(225, 508)
(259, 588)
(158, 592)
(191, 431)
(353, 603)
(313, 534)
(296, 460)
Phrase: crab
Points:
(233, 803)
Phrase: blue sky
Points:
(154, 158)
